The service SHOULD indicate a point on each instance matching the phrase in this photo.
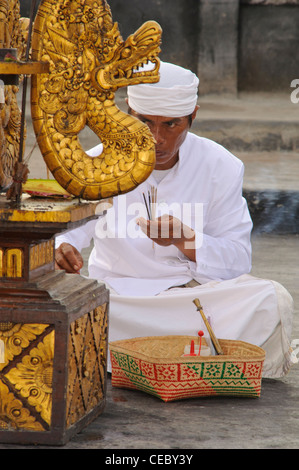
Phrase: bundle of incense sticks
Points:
(150, 202)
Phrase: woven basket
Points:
(155, 365)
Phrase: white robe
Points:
(204, 189)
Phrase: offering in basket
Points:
(169, 368)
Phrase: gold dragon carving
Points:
(88, 62)
(13, 31)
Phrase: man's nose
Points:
(158, 134)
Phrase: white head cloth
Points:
(175, 95)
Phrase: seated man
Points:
(197, 246)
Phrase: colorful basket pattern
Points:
(154, 365)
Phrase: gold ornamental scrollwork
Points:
(13, 415)
(87, 363)
(17, 337)
(32, 377)
(89, 61)
(13, 35)
(26, 375)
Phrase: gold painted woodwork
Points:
(13, 30)
(27, 233)
(13, 416)
(12, 259)
(26, 68)
(88, 62)
(41, 254)
(87, 363)
(32, 377)
(46, 210)
(11, 262)
(26, 376)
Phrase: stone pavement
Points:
(133, 420)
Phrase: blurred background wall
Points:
(233, 45)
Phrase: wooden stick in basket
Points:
(209, 328)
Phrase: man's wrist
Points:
(186, 244)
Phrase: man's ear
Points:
(195, 112)
(193, 116)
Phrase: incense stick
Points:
(147, 207)
(150, 204)
(153, 203)
(153, 200)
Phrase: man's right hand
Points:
(67, 257)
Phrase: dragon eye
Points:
(126, 53)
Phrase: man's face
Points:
(169, 134)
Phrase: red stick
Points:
(200, 334)
(192, 353)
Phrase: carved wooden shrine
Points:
(54, 325)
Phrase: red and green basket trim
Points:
(179, 380)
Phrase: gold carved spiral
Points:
(88, 62)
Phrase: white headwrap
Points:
(175, 95)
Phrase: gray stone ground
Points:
(135, 420)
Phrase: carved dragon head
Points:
(114, 62)
(139, 48)
(88, 61)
